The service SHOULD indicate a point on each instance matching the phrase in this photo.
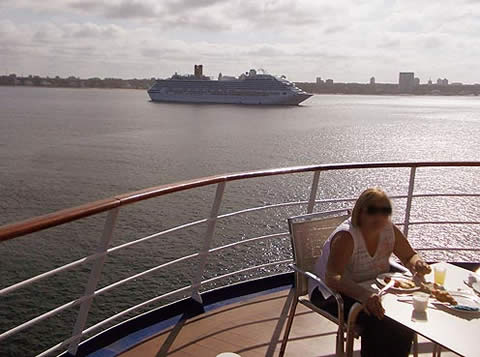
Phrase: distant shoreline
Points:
(75, 82)
(320, 87)
(390, 89)
(59, 87)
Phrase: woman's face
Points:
(375, 215)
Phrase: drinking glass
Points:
(420, 301)
(440, 272)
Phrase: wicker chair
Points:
(308, 233)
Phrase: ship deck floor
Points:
(249, 328)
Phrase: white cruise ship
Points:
(249, 88)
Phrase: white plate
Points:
(464, 300)
(397, 276)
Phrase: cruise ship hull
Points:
(289, 99)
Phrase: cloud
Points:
(90, 30)
(334, 29)
(389, 43)
(131, 9)
(433, 42)
(345, 39)
(168, 14)
(181, 5)
(85, 5)
(125, 9)
(266, 51)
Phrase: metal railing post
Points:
(209, 233)
(408, 208)
(313, 192)
(93, 279)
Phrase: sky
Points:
(346, 40)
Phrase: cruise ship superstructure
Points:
(249, 88)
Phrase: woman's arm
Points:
(404, 251)
(341, 250)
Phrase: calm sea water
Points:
(64, 147)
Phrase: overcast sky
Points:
(347, 40)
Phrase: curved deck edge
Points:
(130, 333)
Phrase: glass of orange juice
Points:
(440, 272)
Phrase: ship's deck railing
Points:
(114, 204)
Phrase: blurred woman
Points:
(359, 250)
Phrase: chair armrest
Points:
(336, 295)
(313, 277)
(351, 323)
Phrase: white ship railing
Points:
(113, 205)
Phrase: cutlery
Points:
(386, 287)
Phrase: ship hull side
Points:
(290, 99)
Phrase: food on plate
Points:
(429, 287)
(444, 296)
(435, 290)
(404, 284)
(400, 283)
(438, 292)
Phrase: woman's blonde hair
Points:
(368, 196)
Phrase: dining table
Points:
(455, 331)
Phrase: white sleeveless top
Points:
(362, 265)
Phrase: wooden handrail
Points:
(39, 223)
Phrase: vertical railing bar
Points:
(313, 192)
(207, 242)
(93, 279)
(408, 208)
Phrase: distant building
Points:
(442, 82)
(430, 82)
(406, 82)
(226, 78)
(456, 84)
(416, 81)
(329, 82)
(319, 80)
(198, 71)
(372, 80)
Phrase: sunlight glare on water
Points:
(64, 147)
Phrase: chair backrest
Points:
(308, 234)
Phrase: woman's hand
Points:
(373, 306)
(422, 268)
